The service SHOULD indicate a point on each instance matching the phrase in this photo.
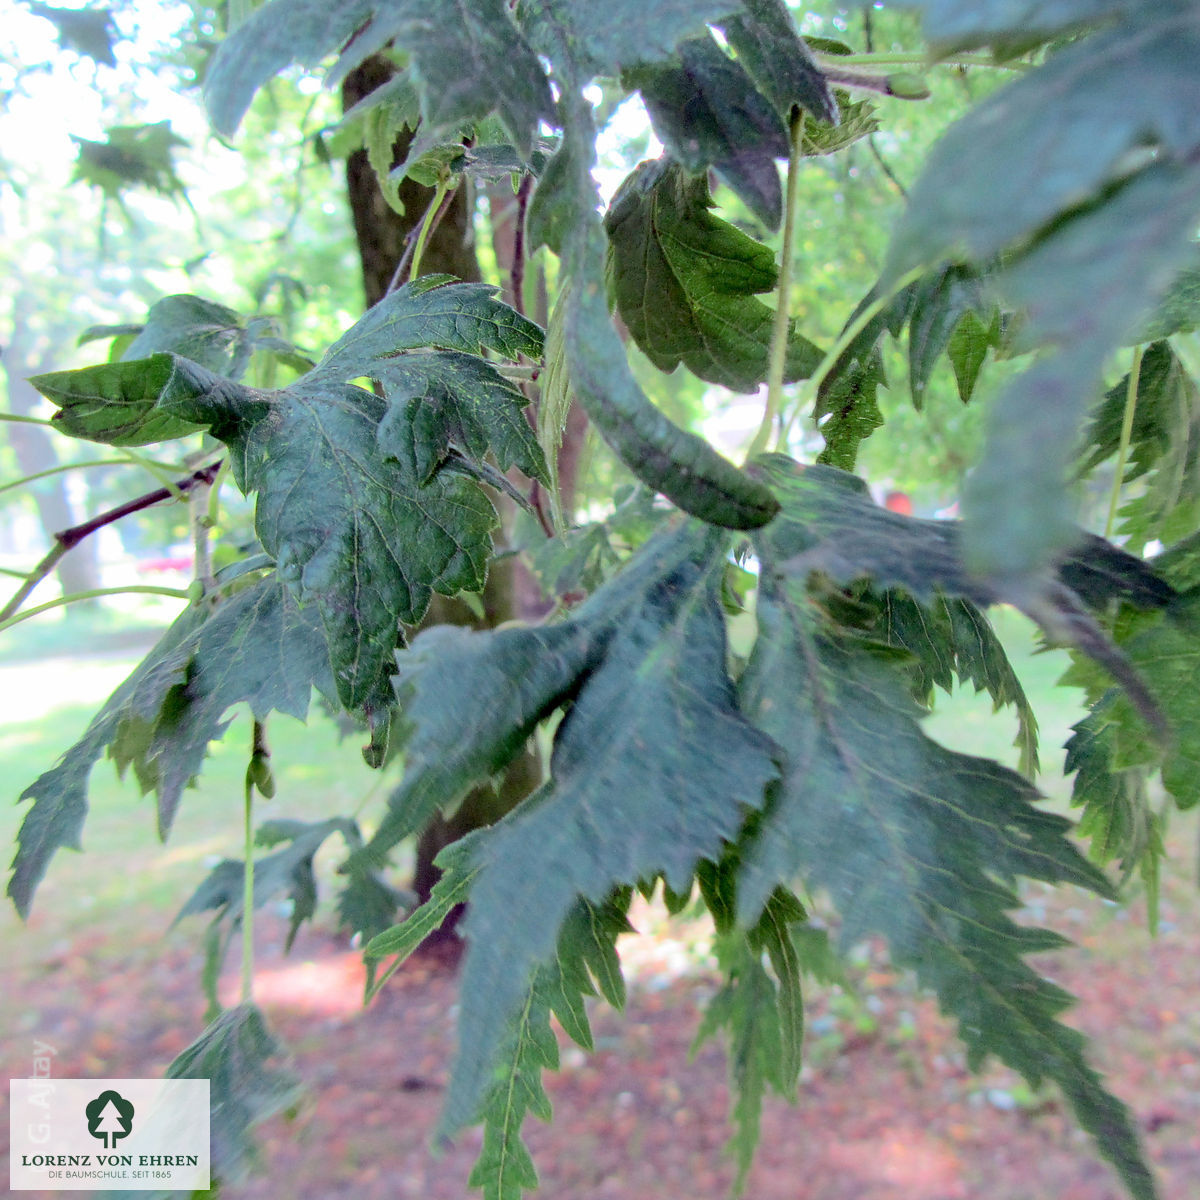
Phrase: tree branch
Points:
(68, 539)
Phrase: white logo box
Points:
(56, 1143)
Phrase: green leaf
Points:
(1165, 654)
(473, 700)
(1164, 440)
(444, 401)
(115, 403)
(922, 846)
(1117, 817)
(965, 24)
(586, 944)
(1178, 311)
(288, 871)
(708, 113)
(434, 311)
(683, 467)
(467, 59)
(951, 637)
(685, 282)
(776, 57)
(604, 41)
(967, 349)
(1085, 108)
(1084, 286)
(653, 769)
(248, 1083)
(942, 301)
(131, 156)
(90, 32)
(258, 647)
(341, 504)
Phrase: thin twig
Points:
(885, 167)
(517, 274)
(68, 539)
(432, 218)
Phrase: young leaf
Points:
(685, 282)
(115, 403)
(708, 113)
(653, 769)
(259, 647)
(922, 847)
(248, 1083)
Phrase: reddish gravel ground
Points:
(887, 1110)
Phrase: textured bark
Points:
(382, 236)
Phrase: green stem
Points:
(903, 59)
(432, 214)
(777, 361)
(1131, 391)
(248, 897)
(91, 462)
(32, 579)
(129, 590)
(812, 385)
(20, 420)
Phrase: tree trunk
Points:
(382, 237)
(79, 571)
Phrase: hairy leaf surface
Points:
(653, 769)
(922, 846)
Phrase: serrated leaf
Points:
(603, 41)
(941, 302)
(685, 282)
(115, 403)
(1084, 286)
(467, 59)
(258, 647)
(763, 1019)
(922, 847)
(949, 638)
(287, 871)
(1117, 818)
(765, 40)
(1164, 441)
(1178, 311)
(434, 311)
(642, 783)
(708, 113)
(85, 31)
(829, 523)
(248, 1082)
(685, 468)
(967, 349)
(1166, 655)
(445, 401)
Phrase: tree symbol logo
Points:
(109, 1117)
